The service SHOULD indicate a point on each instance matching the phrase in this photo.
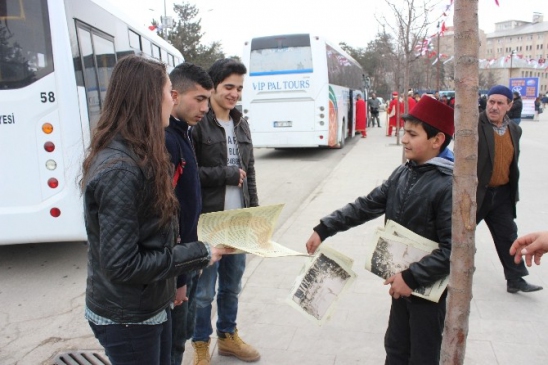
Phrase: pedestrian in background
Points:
(498, 178)
(374, 104)
(191, 89)
(515, 110)
(360, 116)
(130, 211)
(394, 114)
(224, 151)
(415, 325)
(538, 109)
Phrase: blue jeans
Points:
(136, 344)
(229, 270)
(183, 320)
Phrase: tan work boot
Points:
(201, 352)
(230, 344)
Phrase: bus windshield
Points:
(25, 43)
(280, 55)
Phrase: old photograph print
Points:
(320, 287)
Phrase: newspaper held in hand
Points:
(247, 230)
(394, 248)
(323, 279)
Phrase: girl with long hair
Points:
(130, 212)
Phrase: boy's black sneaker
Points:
(513, 286)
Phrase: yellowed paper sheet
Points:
(247, 230)
(323, 280)
(394, 248)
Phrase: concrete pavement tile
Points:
(520, 354)
(366, 354)
(336, 342)
(500, 330)
(263, 295)
(479, 353)
(531, 306)
(276, 313)
(282, 357)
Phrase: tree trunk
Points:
(465, 182)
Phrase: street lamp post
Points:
(512, 53)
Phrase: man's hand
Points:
(313, 242)
(398, 287)
(243, 175)
(532, 246)
(180, 296)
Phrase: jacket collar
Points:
(235, 114)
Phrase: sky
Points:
(351, 21)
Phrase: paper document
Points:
(394, 248)
(248, 230)
(323, 279)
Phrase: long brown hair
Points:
(133, 111)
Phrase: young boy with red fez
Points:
(418, 195)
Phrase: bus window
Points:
(271, 56)
(106, 59)
(134, 40)
(164, 56)
(26, 43)
(156, 51)
(342, 71)
(146, 46)
(90, 76)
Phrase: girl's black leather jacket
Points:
(132, 260)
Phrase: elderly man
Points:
(498, 175)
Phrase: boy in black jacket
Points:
(418, 195)
(192, 88)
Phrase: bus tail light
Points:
(51, 165)
(49, 146)
(55, 212)
(47, 128)
(53, 183)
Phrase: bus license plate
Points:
(283, 124)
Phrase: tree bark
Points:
(464, 182)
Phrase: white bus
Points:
(56, 57)
(300, 91)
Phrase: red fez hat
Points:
(434, 113)
(395, 93)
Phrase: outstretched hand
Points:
(313, 242)
(217, 254)
(532, 246)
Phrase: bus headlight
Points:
(321, 122)
(322, 108)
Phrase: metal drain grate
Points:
(81, 358)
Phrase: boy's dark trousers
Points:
(414, 331)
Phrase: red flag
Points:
(497, 2)
(152, 27)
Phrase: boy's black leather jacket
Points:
(132, 261)
(417, 197)
(209, 141)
